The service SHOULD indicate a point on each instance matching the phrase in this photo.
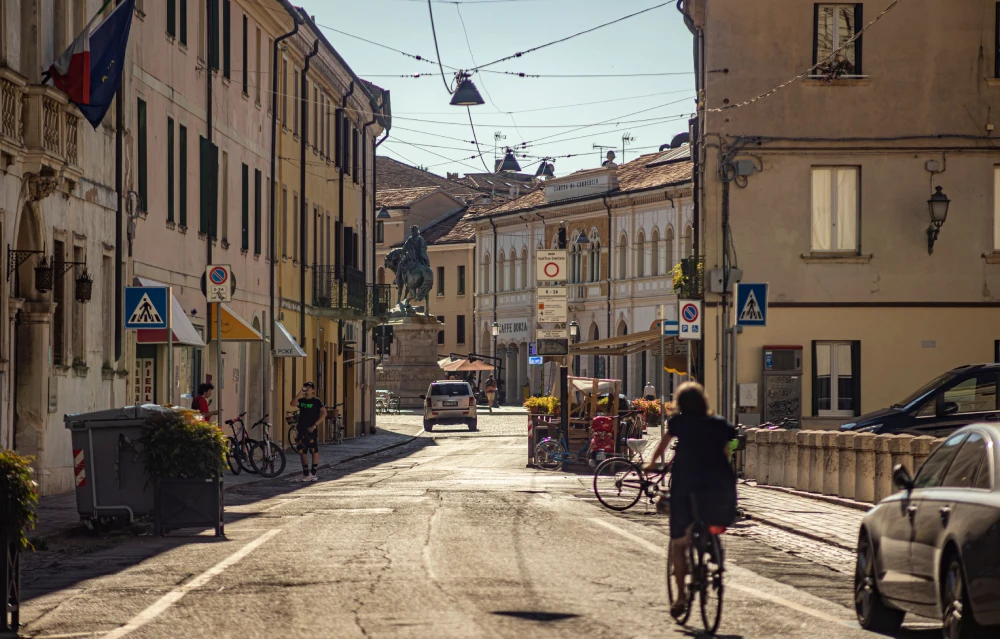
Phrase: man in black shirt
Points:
(312, 413)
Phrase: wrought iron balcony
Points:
(379, 300)
(343, 289)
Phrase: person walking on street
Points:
(650, 391)
(491, 391)
(701, 475)
(312, 413)
(200, 402)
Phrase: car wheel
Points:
(957, 621)
(872, 613)
(474, 425)
(428, 426)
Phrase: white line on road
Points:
(648, 545)
(175, 595)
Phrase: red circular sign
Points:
(690, 313)
(551, 269)
(218, 275)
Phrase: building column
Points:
(31, 381)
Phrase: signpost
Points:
(751, 304)
(689, 323)
(150, 307)
(550, 266)
(552, 309)
(218, 289)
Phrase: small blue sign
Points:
(768, 360)
(532, 349)
(147, 307)
(751, 304)
(537, 360)
(669, 327)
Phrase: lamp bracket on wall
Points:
(61, 268)
(15, 258)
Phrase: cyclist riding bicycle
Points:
(701, 470)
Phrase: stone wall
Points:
(849, 465)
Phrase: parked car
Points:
(933, 549)
(961, 396)
(450, 402)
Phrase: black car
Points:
(961, 396)
(933, 549)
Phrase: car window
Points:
(926, 388)
(934, 468)
(456, 389)
(962, 472)
(974, 395)
(929, 409)
(984, 478)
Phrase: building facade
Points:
(868, 301)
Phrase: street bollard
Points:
(845, 446)
(921, 448)
(776, 470)
(901, 448)
(763, 456)
(864, 469)
(750, 472)
(883, 467)
(815, 462)
(789, 477)
(831, 464)
(802, 449)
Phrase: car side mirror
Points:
(947, 408)
(423, 397)
(901, 477)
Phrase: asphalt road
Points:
(447, 536)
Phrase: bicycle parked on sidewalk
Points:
(337, 430)
(619, 482)
(267, 458)
(705, 561)
(240, 449)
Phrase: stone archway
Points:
(31, 313)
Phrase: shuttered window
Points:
(172, 17)
(246, 57)
(227, 40)
(141, 143)
(256, 212)
(184, 21)
(208, 171)
(245, 212)
(170, 169)
(182, 178)
(213, 36)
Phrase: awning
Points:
(674, 355)
(184, 332)
(234, 327)
(284, 344)
(466, 365)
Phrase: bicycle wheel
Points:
(292, 439)
(710, 560)
(231, 454)
(618, 483)
(338, 434)
(244, 452)
(268, 459)
(672, 586)
(547, 454)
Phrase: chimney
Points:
(452, 176)
(515, 190)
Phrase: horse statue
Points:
(414, 281)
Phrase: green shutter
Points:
(208, 181)
(256, 212)
(226, 39)
(213, 35)
(245, 220)
(245, 59)
(141, 142)
(172, 17)
(184, 21)
(182, 182)
(170, 169)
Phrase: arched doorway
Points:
(255, 381)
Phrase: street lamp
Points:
(574, 329)
(938, 206)
(466, 94)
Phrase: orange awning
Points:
(234, 327)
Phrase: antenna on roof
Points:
(626, 140)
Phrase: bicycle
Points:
(292, 419)
(337, 426)
(619, 482)
(240, 449)
(267, 458)
(551, 454)
(630, 426)
(705, 562)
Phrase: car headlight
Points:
(869, 429)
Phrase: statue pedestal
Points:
(413, 364)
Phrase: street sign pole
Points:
(219, 285)
(661, 381)
(218, 357)
(170, 349)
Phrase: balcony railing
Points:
(343, 289)
(379, 300)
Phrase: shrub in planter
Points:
(537, 405)
(184, 458)
(651, 408)
(18, 498)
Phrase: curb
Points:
(795, 531)
(830, 499)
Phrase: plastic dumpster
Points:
(110, 476)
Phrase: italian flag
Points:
(71, 71)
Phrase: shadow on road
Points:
(75, 556)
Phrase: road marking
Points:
(781, 601)
(175, 595)
(71, 635)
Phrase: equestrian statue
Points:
(414, 277)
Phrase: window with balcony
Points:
(835, 26)
(835, 209)
(836, 379)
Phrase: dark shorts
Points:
(308, 442)
(715, 508)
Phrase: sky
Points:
(427, 131)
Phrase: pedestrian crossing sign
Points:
(147, 307)
(751, 304)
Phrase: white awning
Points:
(184, 332)
(284, 344)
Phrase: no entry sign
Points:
(550, 266)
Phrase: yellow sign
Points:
(234, 327)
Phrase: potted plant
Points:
(836, 67)
(553, 405)
(184, 457)
(651, 408)
(537, 405)
(18, 500)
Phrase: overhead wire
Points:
(430, 9)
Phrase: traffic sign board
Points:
(690, 319)
(550, 266)
(670, 327)
(551, 291)
(552, 309)
(217, 284)
(550, 333)
(147, 307)
(751, 304)
(535, 360)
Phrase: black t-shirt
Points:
(700, 462)
(309, 412)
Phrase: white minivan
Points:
(450, 402)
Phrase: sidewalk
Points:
(819, 520)
(58, 513)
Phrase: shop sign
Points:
(145, 368)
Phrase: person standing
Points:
(201, 401)
(312, 413)
(649, 392)
(491, 391)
